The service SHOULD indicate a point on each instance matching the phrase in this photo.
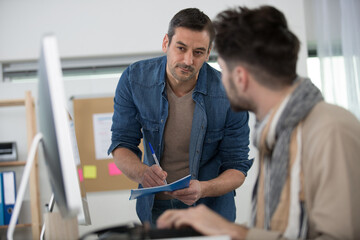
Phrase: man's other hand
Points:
(188, 195)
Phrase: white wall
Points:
(93, 27)
(87, 28)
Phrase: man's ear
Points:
(241, 77)
(165, 43)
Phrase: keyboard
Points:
(138, 232)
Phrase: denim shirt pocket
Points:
(211, 144)
(150, 129)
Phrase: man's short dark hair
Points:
(193, 19)
(260, 39)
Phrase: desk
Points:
(201, 238)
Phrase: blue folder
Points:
(9, 188)
(179, 184)
(1, 200)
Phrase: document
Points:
(102, 134)
(179, 184)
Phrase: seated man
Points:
(309, 169)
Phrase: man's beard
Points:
(183, 78)
(238, 103)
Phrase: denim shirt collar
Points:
(201, 84)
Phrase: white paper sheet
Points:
(9, 187)
(102, 134)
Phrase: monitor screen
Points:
(58, 143)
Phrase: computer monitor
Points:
(58, 143)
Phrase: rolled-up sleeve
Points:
(126, 130)
(234, 147)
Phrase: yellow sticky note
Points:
(90, 171)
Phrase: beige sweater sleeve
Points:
(331, 167)
(257, 233)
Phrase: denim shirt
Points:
(219, 137)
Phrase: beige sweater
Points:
(331, 168)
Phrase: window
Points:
(333, 91)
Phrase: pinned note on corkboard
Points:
(92, 120)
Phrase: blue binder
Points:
(9, 187)
(1, 200)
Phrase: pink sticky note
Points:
(113, 170)
(81, 175)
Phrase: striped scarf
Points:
(273, 138)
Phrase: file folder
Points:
(1, 200)
(9, 188)
(179, 184)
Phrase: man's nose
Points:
(189, 58)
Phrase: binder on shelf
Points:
(9, 188)
(1, 201)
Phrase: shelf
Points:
(12, 163)
(36, 222)
(17, 226)
(13, 102)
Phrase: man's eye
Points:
(181, 49)
(198, 53)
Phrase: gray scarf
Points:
(299, 104)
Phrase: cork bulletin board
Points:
(92, 121)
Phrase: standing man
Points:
(309, 174)
(177, 103)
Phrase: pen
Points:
(155, 158)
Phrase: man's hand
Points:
(188, 195)
(153, 176)
(203, 220)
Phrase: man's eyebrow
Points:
(183, 44)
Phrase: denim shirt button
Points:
(162, 120)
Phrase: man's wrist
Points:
(204, 189)
(141, 173)
(238, 232)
